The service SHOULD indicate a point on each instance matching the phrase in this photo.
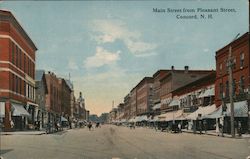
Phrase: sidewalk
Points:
(213, 133)
(23, 133)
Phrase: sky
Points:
(107, 47)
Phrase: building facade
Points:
(240, 83)
(175, 79)
(133, 105)
(41, 91)
(65, 98)
(53, 100)
(156, 91)
(144, 98)
(196, 94)
(127, 106)
(240, 54)
(17, 73)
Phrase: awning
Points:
(136, 119)
(216, 114)
(19, 110)
(63, 119)
(240, 109)
(174, 102)
(2, 109)
(202, 111)
(156, 106)
(131, 120)
(143, 118)
(207, 93)
(156, 118)
(170, 116)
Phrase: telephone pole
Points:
(230, 79)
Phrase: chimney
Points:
(172, 67)
(186, 69)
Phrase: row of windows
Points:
(20, 60)
(19, 86)
(242, 58)
(240, 84)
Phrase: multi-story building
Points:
(41, 91)
(120, 111)
(53, 99)
(175, 79)
(240, 54)
(17, 73)
(156, 90)
(65, 98)
(144, 97)
(240, 84)
(72, 98)
(195, 94)
(133, 105)
(127, 106)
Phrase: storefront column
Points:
(7, 119)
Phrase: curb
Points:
(210, 134)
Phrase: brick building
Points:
(144, 96)
(133, 103)
(53, 100)
(127, 106)
(156, 90)
(175, 79)
(17, 73)
(197, 93)
(240, 54)
(65, 98)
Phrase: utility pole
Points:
(230, 79)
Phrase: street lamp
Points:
(230, 79)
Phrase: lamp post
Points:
(230, 79)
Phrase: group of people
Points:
(90, 126)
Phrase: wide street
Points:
(116, 142)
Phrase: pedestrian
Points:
(200, 126)
(90, 126)
(205, 125)
(221, 129)
(12, 124)
(97, 125)
(179, 127)
(56, 126)
(239, 129)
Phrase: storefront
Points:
(18, 116)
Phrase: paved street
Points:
(115, 142)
